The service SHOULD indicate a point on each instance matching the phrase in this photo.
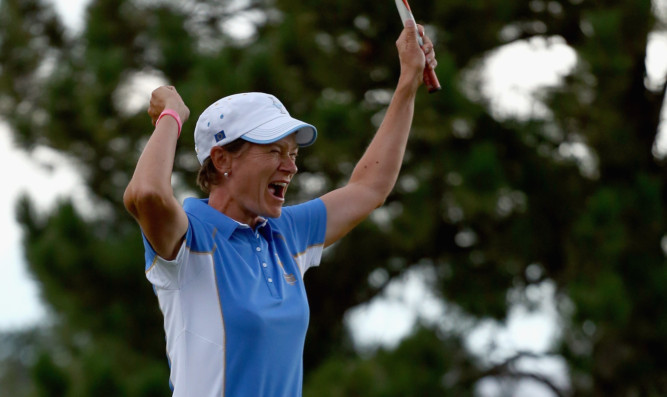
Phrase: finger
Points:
(430, 54)
(151, 114)
(153, 107)
(425, 38)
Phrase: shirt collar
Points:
(225, 225)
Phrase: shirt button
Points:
(270, 280)
(264, 264)
(257, 235)
(258, 249)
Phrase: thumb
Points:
(410, 25)
(411, 30)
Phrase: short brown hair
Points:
(208, 175)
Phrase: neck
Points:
(225, 203)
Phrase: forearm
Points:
(376, 172)
(152, 176)
(379, 167)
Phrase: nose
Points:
(288, 164)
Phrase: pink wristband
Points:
(172, 113)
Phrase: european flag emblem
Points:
(220, 136)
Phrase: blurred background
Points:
(522, 253)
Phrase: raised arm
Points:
(149, 196)
(376, 172)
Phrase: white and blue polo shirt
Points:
(234, 303)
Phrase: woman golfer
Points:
(228, 270)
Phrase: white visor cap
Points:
(254, 116)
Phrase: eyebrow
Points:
(282, 146)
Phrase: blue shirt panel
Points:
(264, 305)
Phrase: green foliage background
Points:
(595, 232)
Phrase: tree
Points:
(481, 199)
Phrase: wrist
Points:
(174, 115)
(407, 86)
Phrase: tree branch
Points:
(505, 370)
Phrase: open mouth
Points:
(278, 189)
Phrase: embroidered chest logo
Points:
(290, 278)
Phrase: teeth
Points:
(278, 188)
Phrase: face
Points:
(260, 177)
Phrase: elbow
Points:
(375, 191)
(373, 196)
(130, 198)
(378, 197)
(139, 200)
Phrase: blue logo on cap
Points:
(220, 136)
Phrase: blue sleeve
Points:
(151, 257)
(149, 253)
(306, 223)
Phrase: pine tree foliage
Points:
(483, 201)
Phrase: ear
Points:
(222, 159)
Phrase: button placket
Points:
(262, 251)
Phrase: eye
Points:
(293, 155)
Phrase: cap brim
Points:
(281, 127)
